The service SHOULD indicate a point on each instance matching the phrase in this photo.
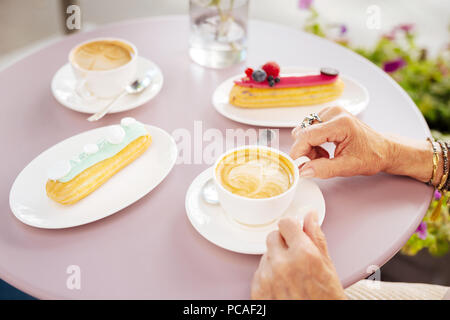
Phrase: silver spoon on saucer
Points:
(135, 87)
(209, 192)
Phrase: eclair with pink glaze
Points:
(265, 88)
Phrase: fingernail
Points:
(315, 217)
(307, 173)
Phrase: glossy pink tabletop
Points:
(150, 250)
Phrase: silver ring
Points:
(309, 120)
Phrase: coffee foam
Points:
(256, 173)
(102, 55)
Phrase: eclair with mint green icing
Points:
(69, 181)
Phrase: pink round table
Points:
(150, 250)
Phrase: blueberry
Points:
(270, 78)
(277, 79)
(259, 75)
(271, 83)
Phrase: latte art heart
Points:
(255, 173)
(103, 55)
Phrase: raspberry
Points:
(249, 72)
(272, 69)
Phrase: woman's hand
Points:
(297, 264)
(360, 150)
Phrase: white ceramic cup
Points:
(104, 83)
(257, 211)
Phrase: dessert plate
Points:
(29, 202)
(354, 99)
(216, 226)
(64, 84)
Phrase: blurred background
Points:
(47, 18)
(411, 43)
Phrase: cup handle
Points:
(301, 160)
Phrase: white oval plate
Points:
(216, 226)
(29, 202)
(355, 99)
(63, 89)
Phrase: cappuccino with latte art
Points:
(255, 173)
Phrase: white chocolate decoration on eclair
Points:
(90, 148)
(117, 137)
(58, 170)
(115, 134)
(128, 121)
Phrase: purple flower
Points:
(406, 27)
(437, 194)
(422, 230)
(389, 36)
(394, 65)
(305, 4)
(343, 29)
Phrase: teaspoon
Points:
(135, 87)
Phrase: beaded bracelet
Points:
(435, 161)
(447, 183)
(445, 169)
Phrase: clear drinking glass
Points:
(218, 32)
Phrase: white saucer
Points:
(219, 228)
(355, 99)
(63, 89)
(29, 202)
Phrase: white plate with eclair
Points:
(285, 100)
(92, 175)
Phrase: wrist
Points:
(411, 158)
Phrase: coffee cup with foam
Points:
(103, 67)
(256, 184)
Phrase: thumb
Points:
(327, 168)
(313, 230)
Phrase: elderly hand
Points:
(297, 264)
(360, 150)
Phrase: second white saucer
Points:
(216, 226)
(63, 89)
